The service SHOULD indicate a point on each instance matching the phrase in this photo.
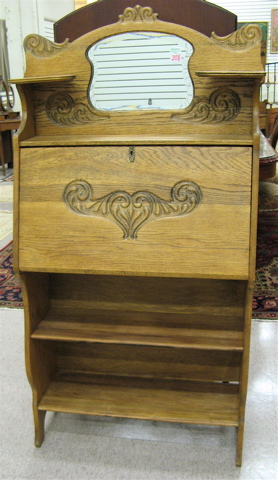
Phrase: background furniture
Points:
(6, 150)
(9, 120)
(268, 159)
(135, 224)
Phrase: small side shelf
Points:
(134, 328)
(219, 74)
(130, 397)
(26, 80)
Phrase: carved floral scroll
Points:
(42, 47)
(245, 37)
(131, 211)
(138, 14)
(223, 105)
(63, 110)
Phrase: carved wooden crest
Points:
(131, 211)
(138, 14)
(245, 37)
(42, 47)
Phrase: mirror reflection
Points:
(139, 71)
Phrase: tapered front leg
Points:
(39, 416)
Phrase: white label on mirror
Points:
(139, 71)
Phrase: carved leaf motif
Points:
(42, 47)
(131, 212)
(138, 14)
(62, 110)
(223, 105)
(245, 37)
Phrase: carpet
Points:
(10, 292)
(265, 301)
(7, 178)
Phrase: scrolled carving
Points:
(63, 110)
(245, 37)
(138, 14)
(42, 47)
(131, 212)
(223, 105)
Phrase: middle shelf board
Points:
(135, 328)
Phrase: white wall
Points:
(24, 17)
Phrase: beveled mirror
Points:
(139, 71)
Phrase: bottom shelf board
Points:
(142, 398)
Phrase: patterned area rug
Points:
(265, 303)
(10, 292)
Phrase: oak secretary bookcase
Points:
(136, 177)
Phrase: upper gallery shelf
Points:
(142, 75)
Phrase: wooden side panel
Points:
(105, 210)
(40, 359)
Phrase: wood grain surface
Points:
(213, 240)
(135, 234)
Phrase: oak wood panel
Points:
(174, 122)
(188, 309)
(149, 361)
(128, 328)
(212, 240)
(146, 400)
(214, 304)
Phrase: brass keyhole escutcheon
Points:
(132, 154)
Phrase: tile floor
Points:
(6, 208)
(83, 447)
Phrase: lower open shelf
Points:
(143, 398)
